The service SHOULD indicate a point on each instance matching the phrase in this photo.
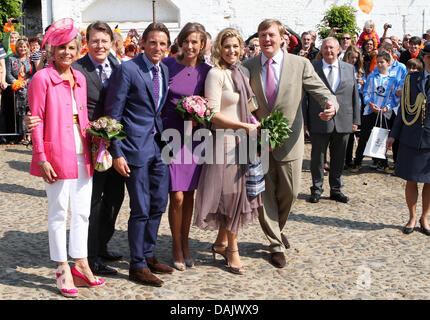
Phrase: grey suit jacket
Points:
(96, 91)
(347, 97)
(298, 76)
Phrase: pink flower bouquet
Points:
(195, 107)
(104, 128)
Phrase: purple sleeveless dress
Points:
(184, 81)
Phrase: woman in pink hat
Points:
(61, 155)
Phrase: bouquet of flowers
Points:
(104, 128)
(278, 129)
(195, 107)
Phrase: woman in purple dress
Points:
(187, 77)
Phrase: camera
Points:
(251, 48)
(389, 25)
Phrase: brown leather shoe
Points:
(144, 276)
(157, 267)
(285, 241)
(278, 259)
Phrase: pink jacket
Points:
(49, 97)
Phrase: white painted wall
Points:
(129, 10)
(406, 16)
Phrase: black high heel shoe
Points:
(214, 252)
(424, 230)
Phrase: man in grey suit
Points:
(279, 81)
(339, 77)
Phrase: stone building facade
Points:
(406, 16)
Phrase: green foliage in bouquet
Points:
(195, 107)
(107, 128)
(278, 128)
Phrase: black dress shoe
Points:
(314, 198)
(407, 230)
(110, 256)
(339, 196)
(285, 241)
(424, 230)
(102, 269)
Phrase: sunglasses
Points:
(346, 38)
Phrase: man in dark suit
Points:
(340, 79)
(108, 186)
(135, 97)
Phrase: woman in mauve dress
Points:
(187, 77)
(222, 202)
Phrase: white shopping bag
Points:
(376, 145)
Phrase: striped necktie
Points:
(102, 73)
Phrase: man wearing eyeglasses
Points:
(405, 43)
(345, 42)
(254, 47)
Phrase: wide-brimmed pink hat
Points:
(60, 32)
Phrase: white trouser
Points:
(77, 192)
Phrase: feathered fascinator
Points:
(60, 32)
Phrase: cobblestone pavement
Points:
(338, 251)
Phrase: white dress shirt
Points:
(336, 73)
(76, 128)
(341, 55)
(278, 60)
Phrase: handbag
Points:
(255, 179)
(376, 145)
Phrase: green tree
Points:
(9, 9)
(342, 17)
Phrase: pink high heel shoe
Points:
(69, 293)
(82, 281)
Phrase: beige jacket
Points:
(298, 76)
